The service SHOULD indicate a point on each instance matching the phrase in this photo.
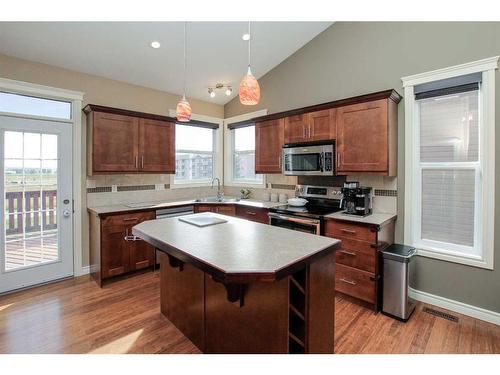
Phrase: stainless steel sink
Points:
(217, 200)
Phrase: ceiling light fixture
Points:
(249, 87)
(212, 91)
(183, 110)
(155, 44)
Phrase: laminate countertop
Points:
(238, 250)
(151, 206)
(375, 219)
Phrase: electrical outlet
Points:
(114, 188)
(159, 186)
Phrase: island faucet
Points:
(220, 193)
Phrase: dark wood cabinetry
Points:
(358, 269)
(259, 215)
(156, 146)
(364, 128)
(114, 250)
(364, 134)
(223, 209)
(313, 126)
(120, 141)
(269, 140)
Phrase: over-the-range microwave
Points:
(309, 160)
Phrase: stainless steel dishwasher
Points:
(163, 213)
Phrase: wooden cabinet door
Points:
(114, 251)
(226, 209)
(142, 254)
(269, 139)
(297, 128)
(203, 208)
(322, 125)
(156, 146)
(115, 141)
(362, 138)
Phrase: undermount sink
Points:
(217, 200)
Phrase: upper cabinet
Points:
(269, 140)
(364, 129)
(312, 126)
(120, 141)
(367, 138)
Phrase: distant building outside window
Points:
(243, 156)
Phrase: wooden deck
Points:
(31, 251)
(76, 316)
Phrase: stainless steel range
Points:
(322, 201)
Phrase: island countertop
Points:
(239, 250)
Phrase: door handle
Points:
(350, 282)
(347, 253)
(66, 213)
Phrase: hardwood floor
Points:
(76, 316)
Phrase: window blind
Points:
(200, 124)
(449, 86)
(241, 124)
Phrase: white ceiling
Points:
(121, 50)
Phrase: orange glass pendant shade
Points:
(183, 110)
(249, 89)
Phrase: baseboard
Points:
(83, 271)
(456, 306)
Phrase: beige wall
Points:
(354, 58)
(100, 91)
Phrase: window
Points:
(29, 105)
(449, 200)
(194, 154)
(243, 156)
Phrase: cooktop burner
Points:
(310, 210)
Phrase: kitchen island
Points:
(245, 287)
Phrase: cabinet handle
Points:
(348, 253)
(309, 131)
(142, 161)
(136, 161)
(350, 282)
(130, 219)
(303, 131)
(279, 161)
(338, 160)
(348, 231)
(251, 213)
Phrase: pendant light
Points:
(249, 87)
(183, 110)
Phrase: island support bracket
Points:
(175, 263)
(235, 292)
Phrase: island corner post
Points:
(288, 311)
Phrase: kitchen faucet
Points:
(220, 193)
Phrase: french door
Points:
(36, 239)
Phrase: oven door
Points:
(312, 226)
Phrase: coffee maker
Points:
(356, 200)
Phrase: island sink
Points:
(246, 287)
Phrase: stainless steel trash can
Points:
(396, 270)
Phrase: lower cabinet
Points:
(259, 215)
(358, 272)
(223, 209)
(114, 250)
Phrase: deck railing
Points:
(34, 210)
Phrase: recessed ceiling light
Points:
(229, 90)
(155, 44)
(246, 36)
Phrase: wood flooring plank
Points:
(76, 316)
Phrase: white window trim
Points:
(76, 99)
(487, 160)
(228, 151)
(218, 147)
